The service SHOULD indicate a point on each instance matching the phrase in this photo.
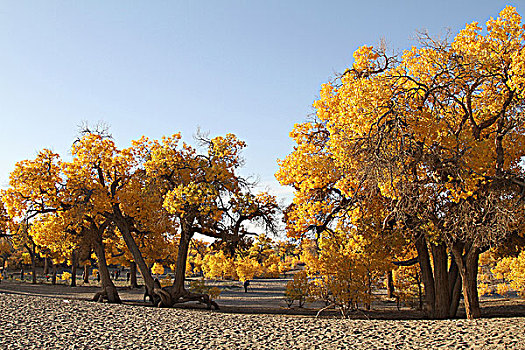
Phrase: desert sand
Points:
(59, 317)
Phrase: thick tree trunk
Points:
(177, 292)
(108, 288)
(180, 270)
(389, 284)
(426, 274)
(73, 268)
(133, 275)
(441, 284)
(134, 250)
(470, 285)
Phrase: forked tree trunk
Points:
(123, 227)
(108, 288)
(468, 269)
(177, 292)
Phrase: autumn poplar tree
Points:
(438, 131)
(204, 195)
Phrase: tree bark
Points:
(73, 268)
(468, 269)
(177, 292)
(389, 284)
(108, 288)
(32, 255)
(180, 270)
(426, 274)
(124, 229)
(454, 283)
(86, 273)
(33, 265)
(54, 276)
(46, 266)
(441, 285)
(470, 285)
(133, 274)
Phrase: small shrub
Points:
(66, 276)
(297, 289)
(199, 286)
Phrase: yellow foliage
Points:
(166, 282)
(517, 274)
(486, 289)
(219, 266)
(157, 269)
(502, 288)
(66, 276)
(297, 289)
(422, 136)
(247, 268)
(199, 286)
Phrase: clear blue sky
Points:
(158, 67)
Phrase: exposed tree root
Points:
(111, 296)
(166, 297)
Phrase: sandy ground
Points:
(31, 322)
(58, 317)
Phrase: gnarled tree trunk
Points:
(177, 292)
(109, 291)
(468, 268)
(124, 229)
(180, 270)
(162, 296)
